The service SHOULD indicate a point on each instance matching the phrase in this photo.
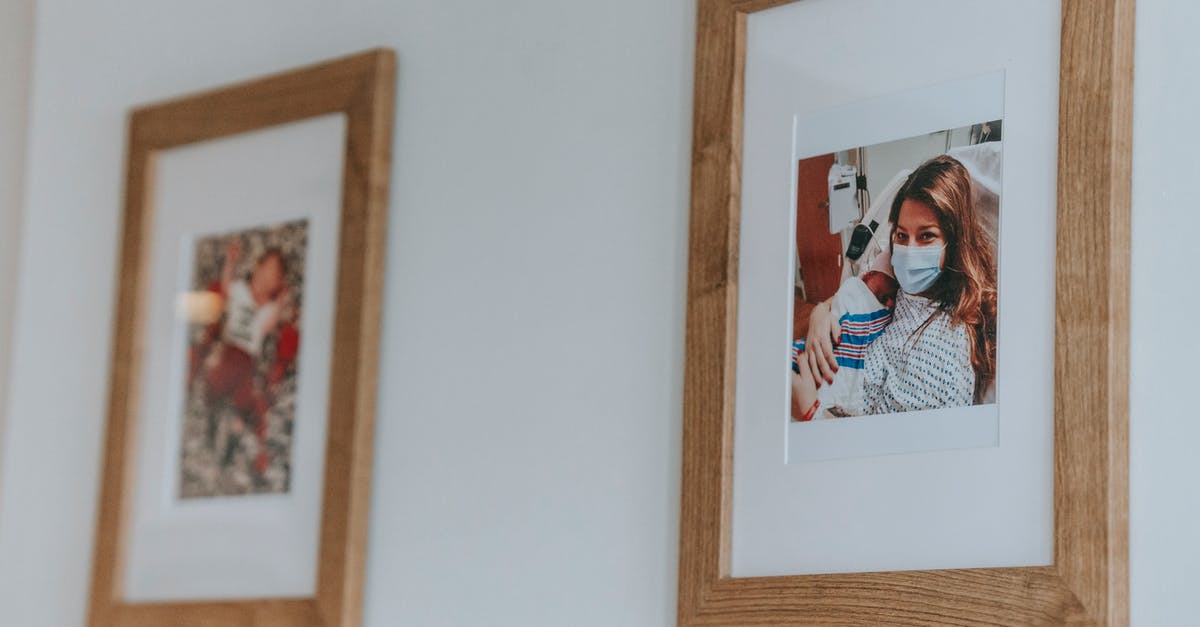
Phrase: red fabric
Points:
(232, 378)
(286, 351)
(199, 350)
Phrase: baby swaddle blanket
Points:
(863, 319)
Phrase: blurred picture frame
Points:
(273, 193)
(1086, 580)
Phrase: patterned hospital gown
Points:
(907, 372)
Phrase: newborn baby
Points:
(863, 308)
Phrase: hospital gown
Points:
(909, 371)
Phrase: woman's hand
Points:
(824, 332)
(804, 391)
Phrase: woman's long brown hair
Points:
(966, 289)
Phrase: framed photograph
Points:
(238, 454)
(914, 394)
(907, 338)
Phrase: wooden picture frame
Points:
(1088, 581)
(362, 88)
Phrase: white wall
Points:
(16, 44)
(528, 442)
(529, 414)
(1164, 422)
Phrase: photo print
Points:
(243, 313)
(895, 284)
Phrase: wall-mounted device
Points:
(859, 238)
(843, 197)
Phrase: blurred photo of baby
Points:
(239, 360)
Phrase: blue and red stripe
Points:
(858, 332)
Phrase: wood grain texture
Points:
(281, 613)
(1088, 583)
(712, 301)
(1091, 402)
(362, 87)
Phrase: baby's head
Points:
(883, 286)
(269, 276)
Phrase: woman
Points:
(940, 348)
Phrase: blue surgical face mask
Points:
(917, 267)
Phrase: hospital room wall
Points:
(884, 160)
(498, 500)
